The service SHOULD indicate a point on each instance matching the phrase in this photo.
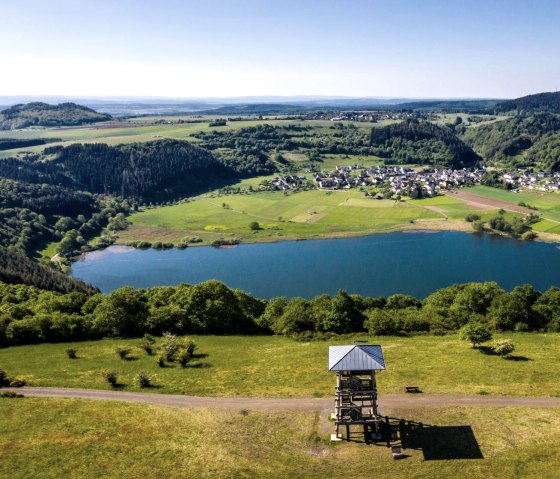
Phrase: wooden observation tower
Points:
(356, 389)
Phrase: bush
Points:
(169, 347)
(3, 378)
(161, 360)
(184, 355)
(472, 217)
(147, 344)
(10, 394)
(71, 353)
(254, 226)
(18, 382)
(504, 347)
(157, 245)
(123, 352)
(144, 379)
(111, 376)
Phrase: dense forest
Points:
(152, 170)
(541, 102)
(414, 141)
(15, 268)
(521, 141)
(43, 114)
(31, 315)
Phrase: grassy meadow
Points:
(274, 366)
(305, 214)
(52, 438)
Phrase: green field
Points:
(547, 204)
(306, 214)
(282, 367)
(53, 438)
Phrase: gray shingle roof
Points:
(357, 357)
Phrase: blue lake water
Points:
(415, 263)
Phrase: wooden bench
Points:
(412, 389)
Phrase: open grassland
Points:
(266, 366)
(306, 214)
(547, 204)
(53, 438)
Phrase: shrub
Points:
(3, 378)
(71, 353)
(123, 352)
(472, 217)
(18, 382)
(144, 379)
(254, 226)
(182, 245)
(147, 343)
(476, 333)
(161, 360)
(504, 347)
(169, 347)
(157, 245)
(10, 394)
(111, 376)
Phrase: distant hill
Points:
(541, 102)
(414, 141)
(16, 268)
(447, 105)
(43, 114)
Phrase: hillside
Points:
(43, 114)
(519, 141)
(414, 141)
(156, 169)
(18, 269)
(540, 102)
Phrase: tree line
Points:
(30, 315)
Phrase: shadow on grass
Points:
(488, 350)
(517, 358)
(435, 442)
(199, 365)
(199, 356)
(130, 358)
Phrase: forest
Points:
(520, 141)
(31, 315)
(422, 142)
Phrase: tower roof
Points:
(357, 357)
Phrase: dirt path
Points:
(385, 401)
(480, 202)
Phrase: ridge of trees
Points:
(43, 114)
(15, 268)
(418, 141)
(521, 141)
(540, 102)
(30, 315)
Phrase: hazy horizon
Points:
(376, 49)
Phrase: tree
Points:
(476, 333)
(254, 226)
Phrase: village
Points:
(398, 180)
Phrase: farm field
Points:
(305, 214)
(131, 132)
(51, 438)
(263, 366)
(547, 204)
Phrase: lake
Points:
(415, 263)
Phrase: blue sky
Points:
(218, 48)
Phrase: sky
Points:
(229, 48)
